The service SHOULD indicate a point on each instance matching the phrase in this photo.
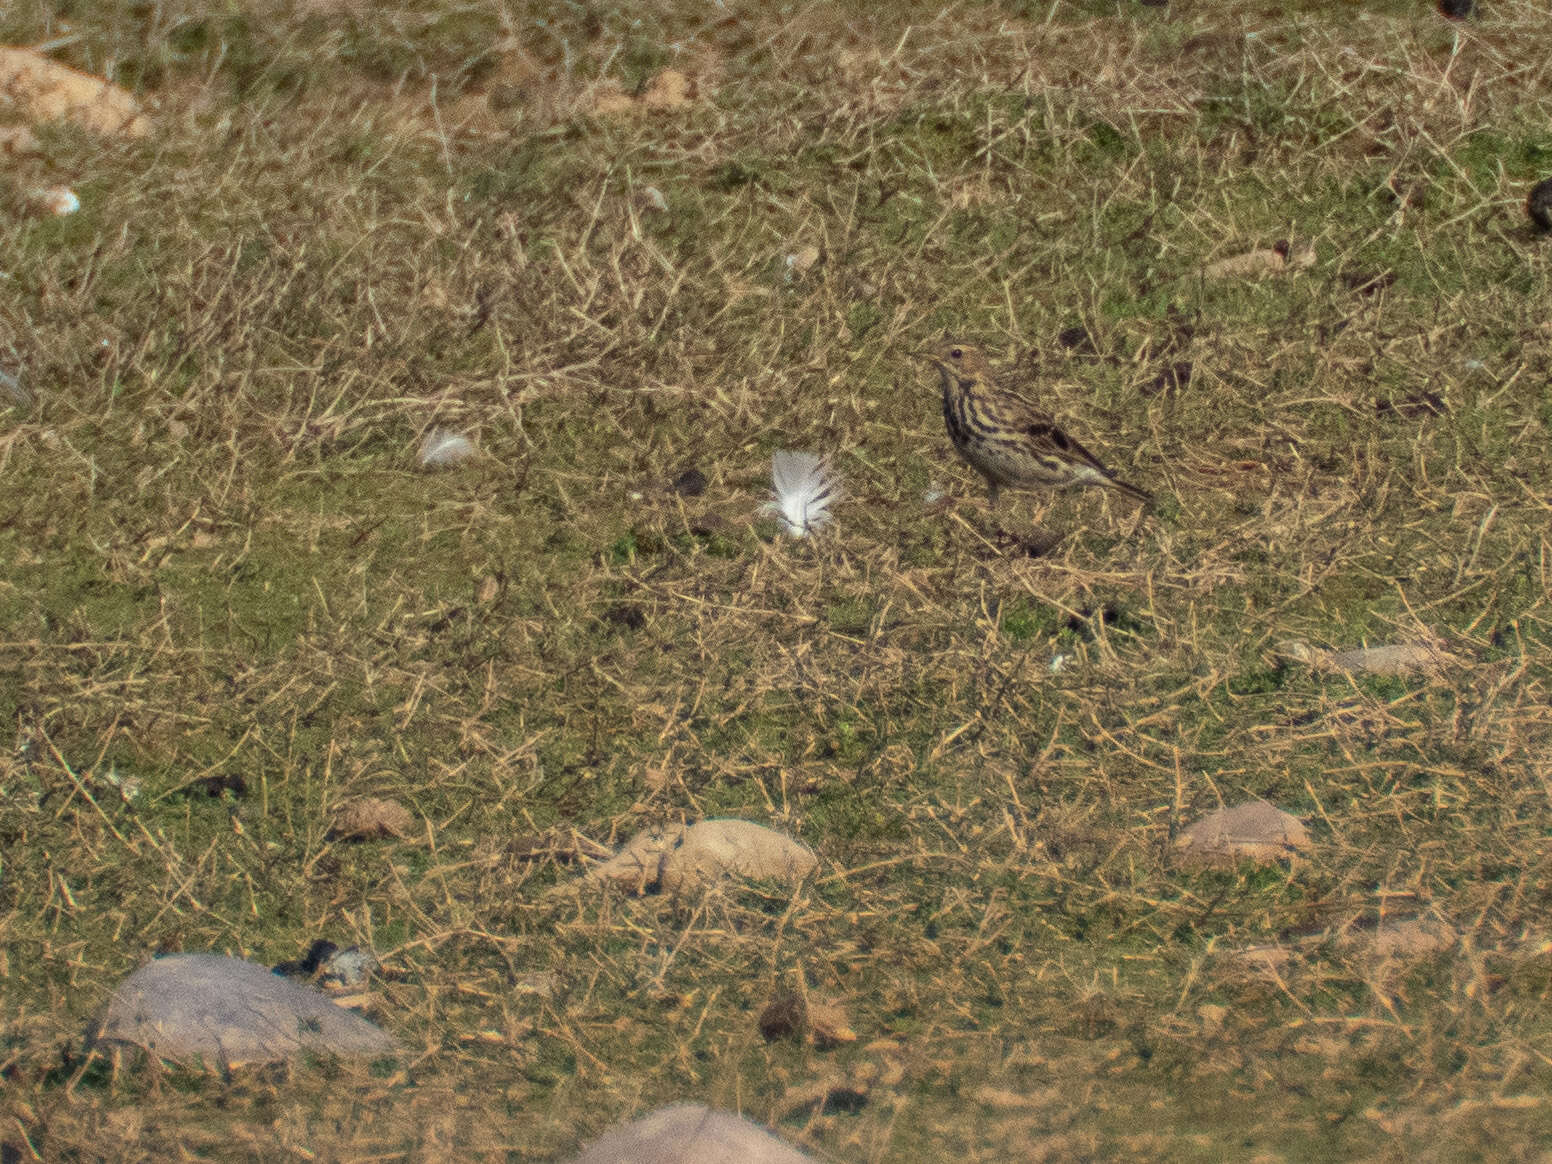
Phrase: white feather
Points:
(442, 448)
(804, 488)
(13, 391)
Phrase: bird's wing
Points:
(1047, 435)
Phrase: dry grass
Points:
(222, 575)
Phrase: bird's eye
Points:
(956, 354)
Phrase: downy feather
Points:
(804, 488)
(443, 448)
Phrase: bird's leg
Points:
(993, 490)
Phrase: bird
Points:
(1006, 439)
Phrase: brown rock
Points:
(668, 90)
(370, 819)
(1254, 831)
(17, 140)
(1282, 257)
(1410, 938)
(44, 90)
(785, 1016)
(1386, 659)
(1265, 961)
(791, 1014)
(678, 858)
(717, 848)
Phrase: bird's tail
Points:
(1130, 490)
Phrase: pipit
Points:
(1007, 439)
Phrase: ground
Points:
(612, 245)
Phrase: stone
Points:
(224, 1012)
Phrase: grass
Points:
(223, 576)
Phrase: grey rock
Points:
(690, 1133)
(225, 1012)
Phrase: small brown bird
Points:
(1007, 439)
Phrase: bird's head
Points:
(960, 363)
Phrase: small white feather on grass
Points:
(442, 449)
(805, 488)
(13, 391)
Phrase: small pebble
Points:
(57, 200)
(348, 967)
(800, 260)
(691, 483)
(1539, 204)
(1076, 339)
(128, 786)
(1171, 379)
